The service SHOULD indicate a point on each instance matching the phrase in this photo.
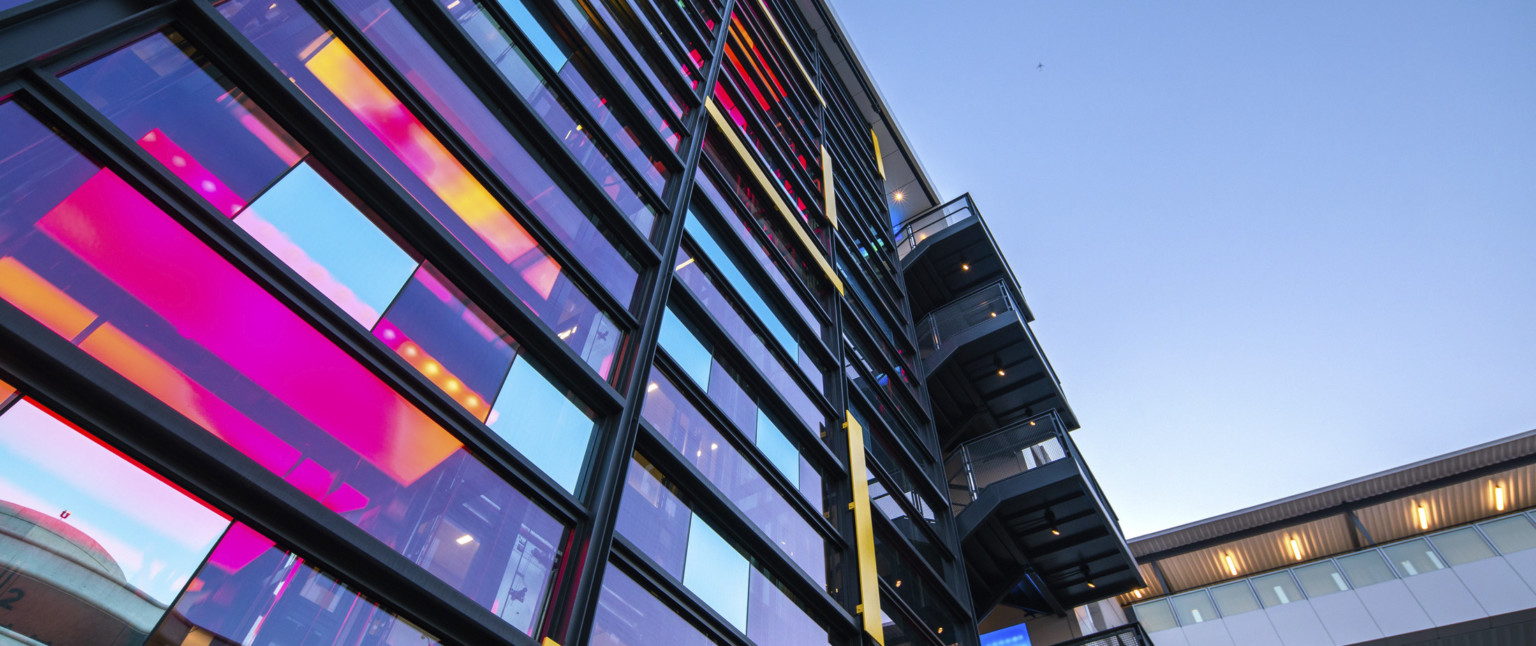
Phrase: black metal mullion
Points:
(578, 599)
(665, 38)
(249, 69)
(913, 561)
(625, 60)
(674, 594)
(340, 25)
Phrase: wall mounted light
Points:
(1498, 497)
(1296, 549)
(1231, 564)
(1137, 593)
(1423, 517)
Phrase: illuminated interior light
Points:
(1296, 549)
(683, 264)
(994, 314)
(1055, 532)
(651, 387)
(1091, 585)
(965, 266)
(898, 583)
(567, 333)
(1231, 564)
(465, 539)
(1031, 422)
(1423, 517)
(1498, 497)
(713, 446)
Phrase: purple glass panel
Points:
(773, 618)
(629, 615)
(739, 224)
(251, 592)
(450, 342)
(186, 115)
(653, 518)
(732, 400)
(687, 430)
(810, 485)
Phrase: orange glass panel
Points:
(37, 297)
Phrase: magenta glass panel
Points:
(497, 45)
(252, 592)
(556, 204)
(774, 618)
(89, 257)
(629, 615)
(688, 431)
(332, 76)
(186, 115)
(653, 518)
(93, 546)
(451, 343)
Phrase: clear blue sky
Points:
(1270, 246)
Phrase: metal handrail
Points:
(1131, 634)
(964, 312)
(913, 232)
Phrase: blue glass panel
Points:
(685, 348)
(778, 449)
(653, 518)
(542, 423)
(323, 236)
(738, 281)
(717, 573)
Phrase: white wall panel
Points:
(1208, 633)
(1496, 586)
(1442, 595)
(1252, 629)
(1345, 618)
(1298, 625)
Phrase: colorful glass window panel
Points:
(717, 573)
(79, 518)
(186, 115)
(85, 254)
(542, 423)
(554, 203)
(332, 76)
(252, 592)
(561, 118)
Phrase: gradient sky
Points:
(1270, 246)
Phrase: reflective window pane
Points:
(1366, 568)
(186, 115)
(541, 422)
(774, 618)
(1234, 598)
(1463, 545)
(1156, 616)
(685, 349)
(79, 521)
(717, 573)
(1193, 608)
(629, 615)
(1319, 579)
(778, 449)
(653, 518)
(1413, 557)
(1276, 589)
(327, 239)
(449, 341)
(252, 592)
(1510, 535)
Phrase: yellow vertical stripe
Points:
(864, 534)
(879, 160)
(829, 193)
(772, 190)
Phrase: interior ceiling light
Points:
(1423, 517)
(997, 362)
(900, 196)
(465, 539)
(965, 266)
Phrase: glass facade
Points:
(468, 321)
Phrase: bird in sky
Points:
(1040, 67)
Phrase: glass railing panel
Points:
(964, 313)
(912, 234)
(985, 461)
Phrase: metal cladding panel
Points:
(1298, 625)
(1496, 586)
(1252, 629)
(1345, 618)
(1447, 600)
(1322, 537)
(1393, 608)
(864, 533)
